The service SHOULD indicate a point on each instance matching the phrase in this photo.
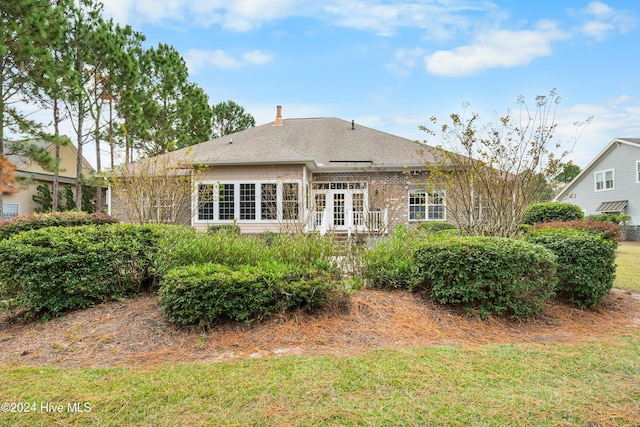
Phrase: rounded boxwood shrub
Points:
(486, 274)
(52, 270)
(551, 211)
(207, 293)
(22, 223)
(586, 263)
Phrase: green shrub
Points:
(435, 226)
(551, 211)
(389, 264)
(52, 219)
(586, 263)
(612, 218)
(233, 229)
(486, 274)
(190, 247)
(207, 293)
(608, 230)
(53, 270)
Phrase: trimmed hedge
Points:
(608, 230)
(486, 274)
(615, 219)
(50, 271)
(206, 293)
(435, 226)
(551, 211)
(52, 219)
(586, 263)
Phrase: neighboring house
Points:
(314, 174)
(30, 175)
(610, 183)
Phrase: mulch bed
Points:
(134, 332)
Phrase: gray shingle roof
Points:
(325, 142)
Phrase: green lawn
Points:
(593, 383)
(628, 271)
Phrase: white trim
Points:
(638, 171)
(236, 201)
(426, 204)
(604, 180)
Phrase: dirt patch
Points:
(134, 332)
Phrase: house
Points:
(306, 174)
(30, 175)
(610, 183)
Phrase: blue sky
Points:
(391, 65)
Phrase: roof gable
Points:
(633, 142)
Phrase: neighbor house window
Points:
(638, 171)
(9, 210)
(604, 180)
(426, 206)
(207, 195)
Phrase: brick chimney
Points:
(278, 121)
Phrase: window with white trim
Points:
(424, 206)
(604, 180)
(638, 171)
(248, 201)
(9, 210)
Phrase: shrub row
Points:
(551, 211)
(52, 270)
(608, 230)
(206, 293)
(53, 219)
(586, 262)
(486, 274)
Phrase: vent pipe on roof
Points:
(353, 124)
(278, 121)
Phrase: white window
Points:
(638, 171)
(9, 210)
(425, 206)
(604, 180)
(248, 201)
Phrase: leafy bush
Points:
(435, 226)
(389, 263)
(224, 228)
(615, 219)
(608, 230)
(488, 274)
(190, 247)
(52, 219)
(586, 262)
(53, 270)
(206, 293)
(550, 211)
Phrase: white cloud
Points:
(600, 21)
(199, 59)
(496, 48)
(405, 61)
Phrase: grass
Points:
(592, 383)
(628, 260)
